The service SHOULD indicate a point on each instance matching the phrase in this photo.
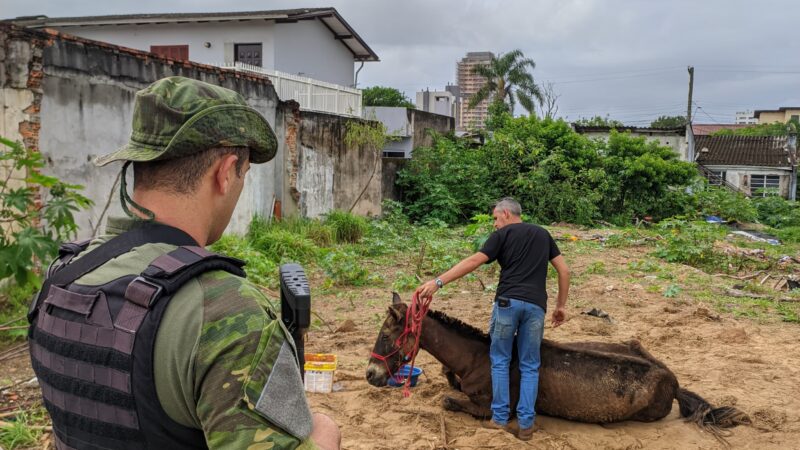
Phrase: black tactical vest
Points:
(92, 346)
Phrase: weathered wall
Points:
(390, 168)
(313, 186)
(739, 176)
(422, 122)
(72, 99)
(83, 94)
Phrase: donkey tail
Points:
(697, 410)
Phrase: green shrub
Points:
(777, 212)
(405, 282)
(788, 235)
(689, 242)
(346, 227)
(728, 205)
(343, 269)
(30, 234)
(260, 269)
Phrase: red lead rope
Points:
(414, 315)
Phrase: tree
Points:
(385, 96)
(762, 129)
(508, 81)
(599, 121)
(549, 101)
(669, 122)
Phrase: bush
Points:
(343, 269)
(31, 234)
(728, 205)
(279, 244)
(689, 242)
(260, 269)
(789, 235)
(346, 227)
(777, 212)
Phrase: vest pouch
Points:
(71, 301)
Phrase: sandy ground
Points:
(729, 361)
(753, 364)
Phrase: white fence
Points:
(313, 95)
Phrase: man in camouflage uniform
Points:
(223, 363)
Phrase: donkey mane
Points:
(457, 325)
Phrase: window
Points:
(394, 154)
(764, 185)
(795, 118)
(178, 52)
(249, 54)
(716, 177)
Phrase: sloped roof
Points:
(759, 151)
(704, 129)
(329, 17)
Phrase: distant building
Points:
(312, 42)
(674, 138)
(410, 126)
(782, 114)
(437, 102)
(753, 165)
(745, 118)
(468, 84)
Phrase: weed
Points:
(20, 432)
(597, 267)
(405, 282)
(672, 291)
(343, 269)
(643, 266)
(347, 227)
(14, 302)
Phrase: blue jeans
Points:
(527, 321)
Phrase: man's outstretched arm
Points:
(464, 267)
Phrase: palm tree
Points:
(508, 81)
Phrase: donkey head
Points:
(389, 354)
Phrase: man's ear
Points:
(224, 172)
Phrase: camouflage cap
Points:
(178, 116)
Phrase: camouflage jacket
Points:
(218, 344)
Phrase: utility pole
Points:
(691, 85)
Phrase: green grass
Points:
(22, 431)
(346, 227)
(14, 303)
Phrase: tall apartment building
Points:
(468, 84)
(745, 118)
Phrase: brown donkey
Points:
(584, 381)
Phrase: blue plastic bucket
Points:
(399, 378)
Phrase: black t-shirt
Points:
(523, 251)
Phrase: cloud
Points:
(626, 58)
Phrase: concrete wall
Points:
(72, 100)
(391, 166)
(739, 176)
(309, 48)
(313, 186)
(777, 116)
(422, 123)
(306, 47)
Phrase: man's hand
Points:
(558, 317)
(427, 289)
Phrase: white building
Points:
(298, 45)
(438, 102)
(745, 118)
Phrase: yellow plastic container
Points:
(320, 368)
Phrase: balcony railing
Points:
(311, 94)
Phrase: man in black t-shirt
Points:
(523, 251)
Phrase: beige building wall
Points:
(777, 116)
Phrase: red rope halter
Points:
(413, 326)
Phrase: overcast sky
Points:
(622, 58)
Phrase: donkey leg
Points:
(452, 378)
(459, 405)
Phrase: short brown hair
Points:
(183, 175)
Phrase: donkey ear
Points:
(396, 298)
